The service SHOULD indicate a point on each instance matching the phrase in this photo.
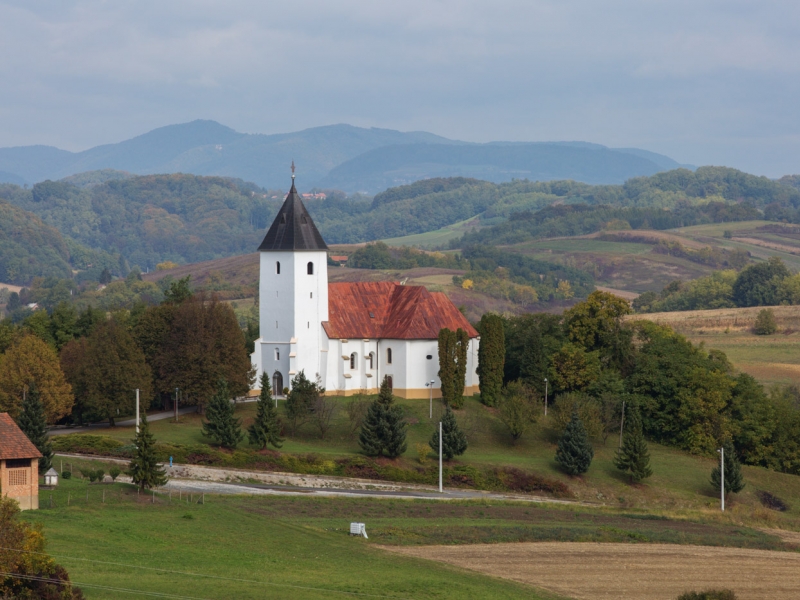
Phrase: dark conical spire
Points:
(293, 228)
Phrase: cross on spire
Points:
(292, 168)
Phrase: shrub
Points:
(114, 472)
(708, 595)
(99, 475)
(588, 409)
(518, 409)
(765, 322)
(423, 451)
(87, 474)
(771, 501)
(66, 474)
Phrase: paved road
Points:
(159, 416)
(194, 478)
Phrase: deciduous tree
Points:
(30, 360)
(518, 409)
(105, 369)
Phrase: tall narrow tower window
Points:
(388, 356)
(278, 267)
(310, 268)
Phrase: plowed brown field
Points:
(590, 571)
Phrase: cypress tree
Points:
(384, 428)
(221, 425)
(491, 358)
(33, 424)
(447, 365)
(633, 457)
(266, 428)
(734, 481)
(454, 441)
(574, 453)
(144, 469)
(460, 370)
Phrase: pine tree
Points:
(221, 425)
(734, 481)
(454, 441)
(266, 428)
(144, 469)
(491, 358)
(633, 457)
(574, 453)
(33, 424)
(384, 428)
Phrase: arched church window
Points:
(310, 268)
(390, 381)
(277, 383)
(371, 361)
(388, 356)
(278, 267)
(353, 361)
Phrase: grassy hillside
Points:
(239, 547)
(679, 485)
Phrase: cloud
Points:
(704, 81)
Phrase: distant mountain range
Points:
(349, 158)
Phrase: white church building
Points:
(351, 335)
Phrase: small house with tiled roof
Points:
(19, 465)
(350, 335)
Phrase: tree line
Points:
(590, 360)
(85, 366)
(767, 283)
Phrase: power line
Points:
(220, 577)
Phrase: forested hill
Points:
(146, 220)
(29, 248)
(150, 219)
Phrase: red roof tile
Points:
(14, 443)
(388, 310)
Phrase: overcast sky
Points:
(705, 82)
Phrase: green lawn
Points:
(241, 547)
(680, 482)
(298, 547)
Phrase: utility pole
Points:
(621, 423)
(545, 396)
(722, 477)
(176, 404)
(137, 411)
(440, 457)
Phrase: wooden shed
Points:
(19, 465)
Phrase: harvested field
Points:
(739, 319)
(591, 571)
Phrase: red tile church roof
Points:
(14, 443)
(388, 310)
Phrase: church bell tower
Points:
(293, 296)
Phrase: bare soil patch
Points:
(591, 571)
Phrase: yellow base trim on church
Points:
(408, 394)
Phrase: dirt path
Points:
(590, 571)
